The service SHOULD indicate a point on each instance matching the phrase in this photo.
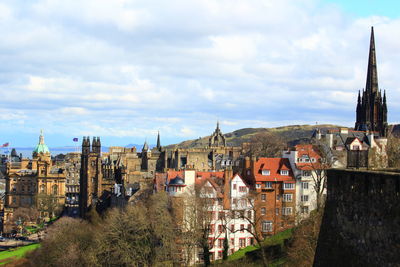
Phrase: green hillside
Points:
(290, 134)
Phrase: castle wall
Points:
(361, 219)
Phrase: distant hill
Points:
(291, 134)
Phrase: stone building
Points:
(35, 182)
(72, 166)
(124, 171)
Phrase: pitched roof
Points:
(274, 165)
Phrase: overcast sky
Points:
(123, 70)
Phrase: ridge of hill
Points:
(291, 134)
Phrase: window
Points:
(304, 209)
(43, 189)
(277, 211)
(249, 227)
(212, 229)
(233, 242)
(306, 173)
(14, 200)
(22, 188)
(263, 211)
(268, 184)
(265, 172)
(263, 197)
(221, 242)
(235, 201)
(242, 242)
(55, 190)
(242, 228)
(249, 214)
(211, 242)
(221, 215)
(304, 198)
(251, 241)
(288, 186)
(287, 211)
(232, 228)
(258, 186)
(278, 197)
(304, 185)
(287, 197)
(220, 228)
(219, 254)
(14, 189)
(234, 186)
(266, 226)
(242, 189)
(284, 172)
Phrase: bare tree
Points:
(317, 163)
(393, 151)
(266, 144)
(48, 205)
(199, 228)
(254, 218)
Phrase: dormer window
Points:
(265, 172)
(284, 172)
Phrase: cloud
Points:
(128, 68)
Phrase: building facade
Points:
(275, 187)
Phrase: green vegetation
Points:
(17, 253)
(277, 239)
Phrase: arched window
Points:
(55, 190)
(43, 189)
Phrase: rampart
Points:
(361, 221)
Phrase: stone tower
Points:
(371, 106)
(90, 175)
(217, 139)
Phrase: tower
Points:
(217, 139)
(371, 111)
(90, 174)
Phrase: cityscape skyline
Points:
(126, 71)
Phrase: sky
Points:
(126, 69)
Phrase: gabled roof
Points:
(274, 165)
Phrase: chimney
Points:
(228, 175)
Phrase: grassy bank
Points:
(17, 253)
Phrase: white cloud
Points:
(129, 68)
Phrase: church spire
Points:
(372, 73)
(158, 140)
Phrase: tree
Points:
(266, 144)
(48, 205)
(200, 205)
(23, 216)
(304, 240)
(318, 162)
(253, 218)
(393, 151)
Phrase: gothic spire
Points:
(359, 97)
(158, 140)
(372, 73)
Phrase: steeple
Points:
(145, 147)
(158, 141)
(372, 73)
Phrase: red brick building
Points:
(274, 183)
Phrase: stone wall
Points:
(361, 223)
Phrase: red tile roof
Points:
(274, 165)
(312, 152)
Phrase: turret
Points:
(85, 146)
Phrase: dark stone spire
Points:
(371, 108)
(372, 73)
(158, 141)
